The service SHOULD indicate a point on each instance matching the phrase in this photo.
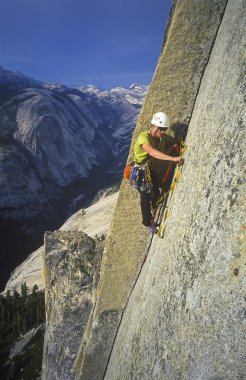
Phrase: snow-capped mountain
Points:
(135, 94)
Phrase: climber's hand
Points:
(176, 159)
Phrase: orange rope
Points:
(167, 173)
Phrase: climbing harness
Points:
(140, 177)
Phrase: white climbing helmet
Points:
(160, 119)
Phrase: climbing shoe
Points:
(153, 228)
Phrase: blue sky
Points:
(103, 42)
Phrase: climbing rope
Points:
(168, 195)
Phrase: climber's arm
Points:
(159, 155)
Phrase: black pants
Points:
(146, 201)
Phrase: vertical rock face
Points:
(94, 221)
(186, 316)
(181, 314)
(72, 262)
(191, 34)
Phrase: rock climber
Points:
(144, 148)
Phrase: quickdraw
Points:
(140, 177)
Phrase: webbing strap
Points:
(181, 149)
(167, 173)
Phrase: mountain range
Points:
(59, 146)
